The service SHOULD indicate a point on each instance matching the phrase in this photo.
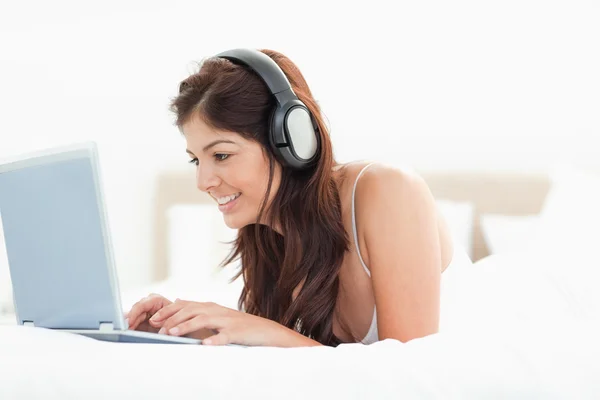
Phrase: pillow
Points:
(459, 217)
(197, 241)
(505, 234)
(570, 216)
(556, 271)
(568, 235)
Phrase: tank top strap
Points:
(354, 231)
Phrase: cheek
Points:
(251, 177)
(253, 181)
(256, 192)
(250, 185)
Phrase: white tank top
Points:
(459, 256)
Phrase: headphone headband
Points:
(293, 131)
(262, 64)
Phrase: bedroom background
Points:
(461, 86)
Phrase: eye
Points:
(221, 157)
(194, 161)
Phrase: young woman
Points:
(330, 253)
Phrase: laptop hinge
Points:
(28, 323)
(106, 326)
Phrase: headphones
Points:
(293, 131)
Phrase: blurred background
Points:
(438, 86)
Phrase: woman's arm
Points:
(291, 338)
(225, 326)
(397, 218)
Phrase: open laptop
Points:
(59, 248)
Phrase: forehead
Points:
(196, 126)
(198, 131)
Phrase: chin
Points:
(234, 222)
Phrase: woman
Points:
(331, 253)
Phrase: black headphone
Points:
(293, 132)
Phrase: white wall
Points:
(451, 85)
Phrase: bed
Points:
(528, 325)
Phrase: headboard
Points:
(491, 192)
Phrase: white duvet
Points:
(514, 327)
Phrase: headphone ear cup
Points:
(292, 136)
(279, 140)
(300, 129)
(276, 137)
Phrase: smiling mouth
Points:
(227, 199)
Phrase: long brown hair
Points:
(306, 206)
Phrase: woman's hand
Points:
(227, 326)
(141, 312)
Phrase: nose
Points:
(206, 178)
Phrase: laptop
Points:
(59, 249)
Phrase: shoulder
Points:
(377, 184)
(381, 184)
(391, 202)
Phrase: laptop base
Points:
(133, 337)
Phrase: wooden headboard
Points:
(490, 192)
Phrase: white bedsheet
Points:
(563, 362)
(544, 347)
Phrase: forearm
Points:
(290, 338)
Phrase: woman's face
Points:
(231, 169)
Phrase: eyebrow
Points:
(208, 146)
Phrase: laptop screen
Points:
(53, 232)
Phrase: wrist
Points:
(291, 338)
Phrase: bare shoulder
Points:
(376, 171)
(383, 193)
(401, 200)
(382, 184)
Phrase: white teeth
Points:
(227, 199)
